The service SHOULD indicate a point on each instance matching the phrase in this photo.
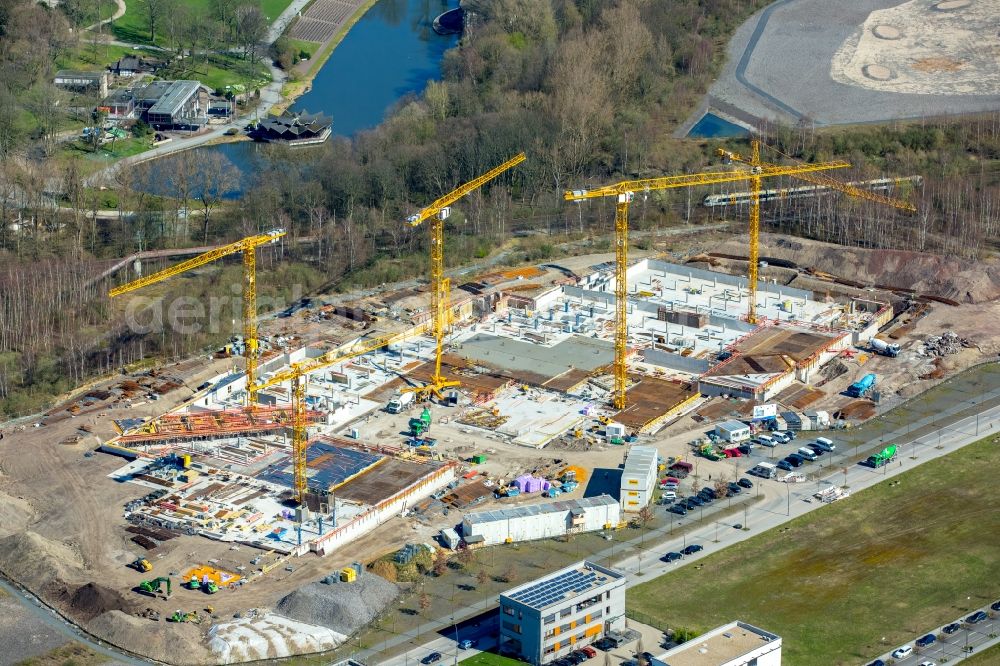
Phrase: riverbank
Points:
(302, 75)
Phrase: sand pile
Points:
(91, 600)
(936, 275)
(173, 643)
(343, 607)
(251, 639)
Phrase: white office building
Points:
(733, 431)
(733, 644)
(542, 521)
(639, 477)
(550, 617)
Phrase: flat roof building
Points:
(550, 617)
(542, 521)
(733, 644)
(83, 82)
(733, 431)
(639, 477)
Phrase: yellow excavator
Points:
(143, 565)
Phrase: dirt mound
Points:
(29, 558)
(91, 600)
(15, 514)
(936, 275)
(173, 643)
(343, 607)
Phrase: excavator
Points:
(143, 565)
(154, 586)
(179, 616)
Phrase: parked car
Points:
(605, 644)
(668, 495)
(672, 556)
(745, 449)
(816, 449)
(795, 460)
(770, 443)
(709, 492)
(745, 482)
(692, 549)
(927, 663)
(589, 651)
(951, 628)
(734, 488)
(825, 444)
(976, 617)
(697, 501)
(995, 606)
(877, 662)
(806, 453)
(433, 657)
(465, 644)
(902, 652)
(785, 465)
(679, 509)
(790, 434)
(926, 639)
(780, 437)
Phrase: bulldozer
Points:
(154, 586)
(142, 564)
(209, 587)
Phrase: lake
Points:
(712, 126)
(391, 52)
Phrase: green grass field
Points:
(134, 26)
(86, 56)
(490, 659)
(894, 561)
(218, 71)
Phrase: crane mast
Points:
(623, 192)
(248, 246)
(438, 212)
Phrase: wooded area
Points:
(590, 89)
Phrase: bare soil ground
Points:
(61, 526)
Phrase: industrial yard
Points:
(201, 487)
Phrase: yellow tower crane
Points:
(438, 212)
(298, 375)
(755, 164)
(248, 246)
(623, 193)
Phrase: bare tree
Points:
(215, 178)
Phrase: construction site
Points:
(353, 428)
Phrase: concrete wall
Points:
(677, 271)
(376, 515)
(694, 366)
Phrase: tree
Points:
(251, 28)
(645, 515)
(466, 557)
(482, 578)
(215, 177)
(424, 601)
(155, 10)
(440, 563)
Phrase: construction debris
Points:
(945, 344)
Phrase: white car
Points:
(927, 663)
(902, 652)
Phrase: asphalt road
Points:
(969, 640)
(783, 502)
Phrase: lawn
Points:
(218, 71)
(894, 561)
(490, 659)
(86, 56)
(134, 26)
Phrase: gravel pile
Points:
(944, 345)
(343, 607)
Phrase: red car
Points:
(733, 453)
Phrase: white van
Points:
(825, 444)
(765, 440)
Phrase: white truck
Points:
(399, 402)
(764, 470)
(884, 348)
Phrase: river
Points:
(391, 52)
